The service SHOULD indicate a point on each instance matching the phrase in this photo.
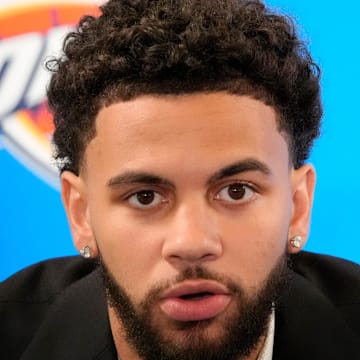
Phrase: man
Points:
(182, 130)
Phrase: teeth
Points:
(195, 296)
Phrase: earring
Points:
(85, 252)
(296, 241)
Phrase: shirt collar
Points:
(267, 350)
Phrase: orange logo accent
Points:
(28, 35)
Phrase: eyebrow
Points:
(131, 177)
(239, 167)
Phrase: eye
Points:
(235, 193)
(145, 199)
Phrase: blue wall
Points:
(34, 227)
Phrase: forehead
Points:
(197, 128)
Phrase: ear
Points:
(73, 191)
(303, 186)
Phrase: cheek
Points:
(128, 248)
(254, 242)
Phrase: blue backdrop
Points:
(33, 223)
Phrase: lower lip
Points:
(194, 310)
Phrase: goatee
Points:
(239, 332)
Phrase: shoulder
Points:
(27, 296)
(329, 274)
(338, 281)
(319, 314)
(42, 281)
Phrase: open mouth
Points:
(196, 296)
(195, 300)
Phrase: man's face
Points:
(190, 199)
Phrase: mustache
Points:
(196, 273)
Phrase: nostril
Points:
(189, 250)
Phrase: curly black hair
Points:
(137, 47)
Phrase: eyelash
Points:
(156, 194)
(244, 186)
(132, 198)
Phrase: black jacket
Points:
(56, 310)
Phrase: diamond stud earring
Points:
(296, 241)
(85, 252)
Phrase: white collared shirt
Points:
(267, 350)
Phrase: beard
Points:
(238, 332)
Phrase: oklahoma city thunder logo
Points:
(29, 34)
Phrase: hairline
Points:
(103, 102)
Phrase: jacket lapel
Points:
(77, 326)
(309, 327)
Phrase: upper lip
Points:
(189, 287)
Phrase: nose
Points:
(192, 237)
